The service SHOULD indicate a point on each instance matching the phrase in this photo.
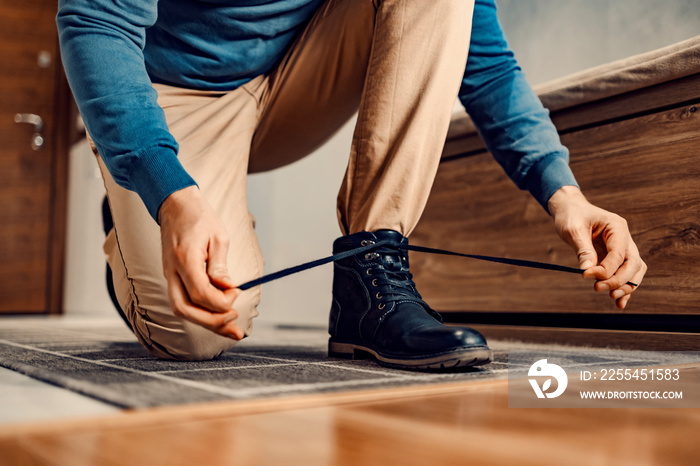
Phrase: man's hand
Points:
(195, 247)
(602, 241)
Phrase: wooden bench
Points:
(633, 131)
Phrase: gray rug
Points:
(102, 359)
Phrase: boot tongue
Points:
(391, 261)
(390, 235)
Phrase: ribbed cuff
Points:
(155, 174)
(545, 178)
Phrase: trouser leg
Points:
(214, 132)
(401, 62)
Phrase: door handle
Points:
(38, 123)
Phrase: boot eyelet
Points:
(371, 256)
(366, 242)
(368, 271)
(378, 295)
(374, 282)
(381, 306)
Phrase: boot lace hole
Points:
(374, 282)
(368, 271)
(381, 306)
(366, 242)
(378, 295)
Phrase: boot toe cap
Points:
(468, 336)
(437, 339)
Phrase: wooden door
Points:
(32, 158)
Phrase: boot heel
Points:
(341, 350)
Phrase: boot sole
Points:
(467, 357)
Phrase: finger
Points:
(630, 285)
(622, 295)
(616, 245)
(631, 271)
(622, 291)
(619, 280)
(622, 302)
(217, 268)
(627, 289)
(199, 289)
(221, 323)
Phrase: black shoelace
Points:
(392, 279)
(391, 244)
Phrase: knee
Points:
(167, 336)
(193, 353)
(188, 347)
(183, 342)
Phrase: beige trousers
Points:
(399, 61)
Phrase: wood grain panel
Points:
(462, 138)
(647, 100)
(645, 169)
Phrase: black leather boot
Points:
(377, 310)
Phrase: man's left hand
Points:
(602, 241)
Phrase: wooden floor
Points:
(437, 425)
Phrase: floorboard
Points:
(466, 423)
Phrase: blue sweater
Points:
(113, 51)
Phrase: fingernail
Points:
(587, 265)
(603, 287)
(618, 294)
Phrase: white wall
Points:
(84, 289)
(295, 206)
(552, 38)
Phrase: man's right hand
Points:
(195, 248)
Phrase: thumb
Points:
(216, 264)
(587, 257)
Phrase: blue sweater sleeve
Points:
(508, 114)
(102, 49)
